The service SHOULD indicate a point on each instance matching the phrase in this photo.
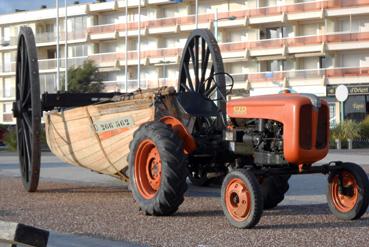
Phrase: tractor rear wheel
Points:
(242, 199)
(348, 192)
(274, 188)
(157, 168)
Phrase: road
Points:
(74, 200)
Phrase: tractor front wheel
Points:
(242, 199)
(157, 168)
(348, 192)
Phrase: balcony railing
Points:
(295, 41)
(276, 76)
(238, 46)
(302, 74)
(12, 41)
(132, 55)
(49, 64)
(8, 117)
(240, 14)
(51, 36)
(132, 85)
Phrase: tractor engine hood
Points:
(305, 120)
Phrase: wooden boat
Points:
(97, 137)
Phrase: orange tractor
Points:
(258, 142)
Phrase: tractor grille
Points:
(321, 135)
(306, 126)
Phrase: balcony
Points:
(303, 44)
(278, 76)
(302, 81)
(258, 48)
(304, 10)
(147, 56)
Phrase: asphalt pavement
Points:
(83, 208)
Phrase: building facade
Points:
(267, 45)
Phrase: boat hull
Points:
(97, 137)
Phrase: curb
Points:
(16, 233)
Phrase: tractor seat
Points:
(196, 105)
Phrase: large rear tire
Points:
(157, 167)
(348, 192)
(274, 188)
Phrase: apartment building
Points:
(267, 45)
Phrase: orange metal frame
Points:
(182, 132)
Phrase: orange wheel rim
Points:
(238, 199)
(147, 169)
(344, 203)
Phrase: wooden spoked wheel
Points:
(27, 109)
(201, 69)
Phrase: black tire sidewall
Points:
(363, 197)
(154, 206)
(256, 198)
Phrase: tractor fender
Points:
(189, 142)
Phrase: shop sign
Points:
(352, 90)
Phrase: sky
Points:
(8, 6)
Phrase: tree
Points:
(84, 79)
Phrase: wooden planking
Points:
(81, 130)
(97, 110)
(73, 139)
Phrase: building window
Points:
(48, 83)
(274, 33)
(77, 51)
(79, 24)
(7, 108)
(332, 115)
(277, 65)
(6, 34)
(7, 62)
(8, 88)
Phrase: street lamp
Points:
(66, 45)
(216, 20)
(57, 47)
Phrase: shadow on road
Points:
(364, 222)
(200, 213)
(316, 209)
(86, 190)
